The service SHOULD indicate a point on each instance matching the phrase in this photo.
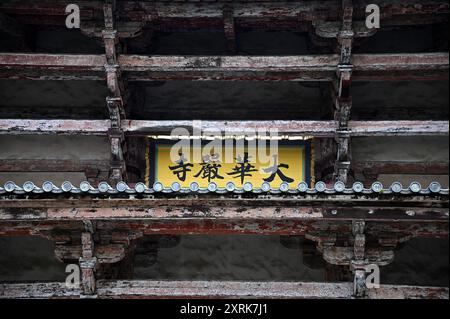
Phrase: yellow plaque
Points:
(290, 163)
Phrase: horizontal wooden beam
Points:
(52, 67)
(322, 201)
(197, 14)
(249, 9)
(414, 216)
(293, 128)
(309, 11)
(400, 67)
(140, 289)
(215, 226)
(367, 67)
(49, 8)
(297, 207)
(297, 290)
(306, 128)
(217, 289)
(303, 128)
(398, 128)
(230, 68)
(44, 290)
(407, 292)
(45, 127)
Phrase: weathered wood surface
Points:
(398, 128)
(217, 289)
(415, 217)
(161, 289)
(37, 291)
(115, 101)
(209, 226)
(400, 67)
(367, 67)
(293, 128)
(68, 127)
(214, 289)
(407, 292)
(319, 201)
(52, 66)
(206, 13)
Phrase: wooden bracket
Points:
(115, 101)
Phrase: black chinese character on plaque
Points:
(182, 168)
(210, 168)
(243, 169)
(276, 170)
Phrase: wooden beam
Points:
(308, 128)
(398, 128)
(293, 128)
(217, 289)
(48, 290)
(410, 216)
(49, 8)
(65, 127)
(215, 226)
(305, 11)
(304, 128)
(234, 68)
(321, 201)
(205, 9)
(52, 67)
(367, 67)
(407, 292)
(400, 67)
(197, 14)
(112, 289)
